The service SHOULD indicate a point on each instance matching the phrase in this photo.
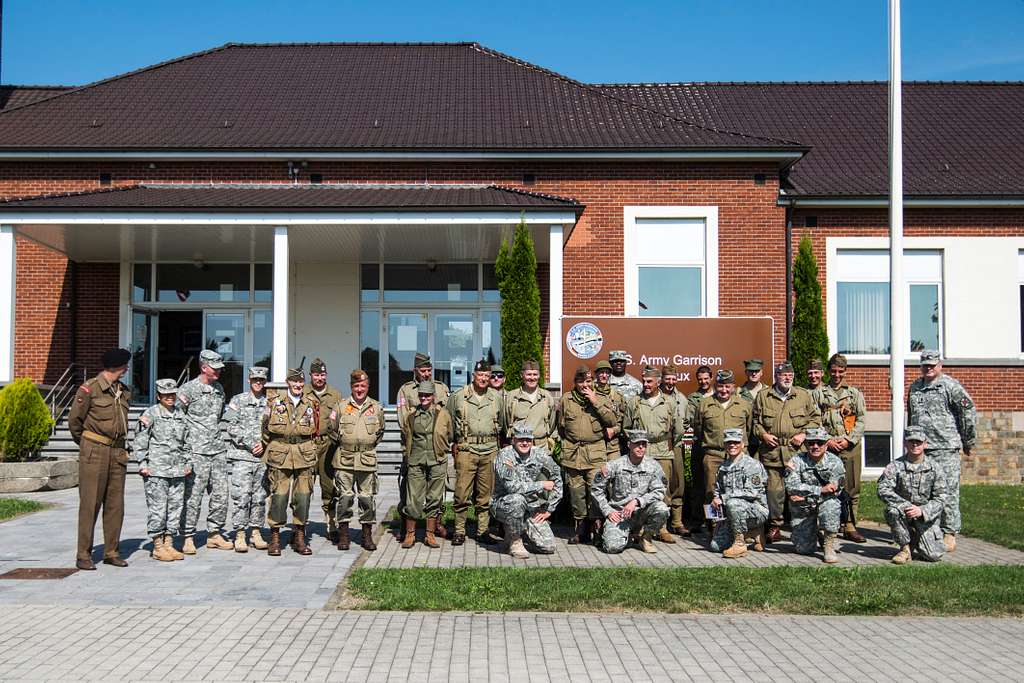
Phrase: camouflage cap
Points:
(732, 435)
(521, 430)
(211, 358)
(317, 366)
(914, 433)
(637, 436)
(930, 357)
(531, 365)
(815, 434)
(582, 372)
(421, 360)
(618, 355)
(258, 372)
(497, 368)
(166, 386)
(425, 388)
(651, 371)
(816, 364)
(295, 374)
(115, 358)
(724, 376)
(358, 375)
(753, 364)
(784, 366)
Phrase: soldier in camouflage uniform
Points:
(534, 406)
(739, 495)
(615, 440)
(527, 489)
(813, 481)
(242, 426)
(162, 450)
(944, 410)
(202, 401)
(913, 489)
(623, 382)
(630, 491)
(330, 399)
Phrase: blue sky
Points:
(77, 41)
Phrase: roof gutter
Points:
(909, 202)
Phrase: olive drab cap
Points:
(724, 376)
(425, 388)
(617, 355)
(317, 366)
(816, 364)
(482, 366)
(669, 370)
(930, 357)
(421, 360)
(496, 368)
(531, 365)
(651, 371)
(115, 358)
(582, 372)
(211, 358)
(295, 374)
(815, 434)
(166, 386)
(914, 433)
(258, 372)
(358, 375)
(753, 364)
(603, 365)
(784, 366)
(732, 435)
(637, 436)
(521, 430)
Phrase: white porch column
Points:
(555, 305)
(279, 356)
(8, 262)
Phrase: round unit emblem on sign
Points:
(584, 340)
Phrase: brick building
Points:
(348, 201)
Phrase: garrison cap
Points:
(637, 436)
(421, 360)
(166, 386)
(482, 366)
(317, 366)
(753, 364)
(816, 364)
(497, 368)
(358, 375)
(930, 357)
(732, 435)
(295, 374)
(784, 366)
(115, 358)
(651, 371)
(617, 355)
(815, 434)
(582, 372)
(425, 388)
(724, 376)
(211, 358)
(914, 433)
(531, 365)
(258, 372)
(603, 365)
(521, 430)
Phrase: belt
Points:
(294, 439)
(104, 440)
(658, 439)
(357, 451)
(540, 440)
(478, 440)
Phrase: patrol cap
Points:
(496, 368)
(816, 364)
(815, 434)
(930, 357)
(425, 388)
(651, 371)
(753, 364)
(582, 372)
(258, 372)
(732, 435)
(166, 386)
(358, 375)
(617, 355)
(637, 436)
(669, 370)
(295, 374)
(482, 366)
(421, 360)
(603, 365)
(784, 366)
(115, 358)
(211, 358)
(317, 366)
(914, 433)
(521, 430)
(531, 365)
(724, 376)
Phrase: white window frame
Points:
(631, 266)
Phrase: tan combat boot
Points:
(737, 549)
(949, 540)
(240, 544)
(160, 550)
(410, 533)
(190, 546)
(903, 556)
(664, 536)
(428, 539)
(647, 543)
(830, 549)
(516, 548)
(218, 542)
(169, 547)
(256, 540)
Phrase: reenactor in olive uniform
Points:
(329, 398)
(586, 420)
(498, 379)
(427, 433)
(695, 488)
(715, 414)
(615, 443)
(98, 422)
(291, 444)
(842, 415)
(705, 388)
(533, 406)
(754, 368)
(781, 414)
(677, 489)
(360, 421)
(479, 416)
(242, 424)
(623, 382)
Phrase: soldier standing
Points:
(586, 420)
(630, 493)
(533, 406)
(913, 489)
(242, 425)
(360, 428)
(98, 422)
(944, 410)
(498, 379)
(813, 482)
(623, 382)
(714, 415)
(754, 369)
(842, 416)
(162, 451)
(705, 388)
(202, 400)
(695, 487)
(291, 444)
(677, 486)
(330, 399)
(527, 489)
(615, 443)
(426, 442)
(781, 414)
(739, 494)
(478, 413)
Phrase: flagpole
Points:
(898, 345)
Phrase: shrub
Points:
(25, 422)
(516, 271)
(810, 340)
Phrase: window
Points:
(862, 301)
(877, 450)
(142, 282)
(202, 283)
(436, 282)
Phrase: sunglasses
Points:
(497, 374)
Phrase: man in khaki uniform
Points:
(754, 369)
(656, 413)
(694, 493)
(426, 442)
(677, 489)
(291, 444)
(98, 422)
(615, 444)
(781, 415)
(586, 421)
(533, 406)
(842, 415)
(329, 398)
(479, 416)
(360, 421)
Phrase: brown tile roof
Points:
(960, 139)
(242, 198)
(16, 95)
(344, 96)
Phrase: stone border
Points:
(38, 475)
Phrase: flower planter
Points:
(38, 475)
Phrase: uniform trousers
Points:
(674, 490)
(808, 519)
(852, 465)
(712, 461)
(295, 485)
(248, 494)
(328, 492)
(580, 483)
(924, 538)
(741, 516)
(424, 489)
(516, 514)
(474, 482)
(210, 474)
(615, 537)
(101, 475)
(948, 460)
(165, 497)
(356, 487)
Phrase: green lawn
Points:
(14, 507)
(916, 589)
(991, 512)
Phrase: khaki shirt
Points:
(581, 425)
(783, 418)
(100, 407)
(751, 394)
(538, 410)
(713, 417)
(427, 436)
(616, 444)
(291, 432)
(360, 429)
(409, 397)
(842, 411)
(479, 419)
(659, 416)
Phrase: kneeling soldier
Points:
(739, 491)
(527, 489)
(913, 489)
(629, 491)
(426, 442)
(241, 422)
(813, 482)
(165, 459)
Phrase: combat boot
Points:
(596, 525)
(240, 544)
(299, 540)
(160, 551)
(190, 546)
(515, 546)
(949, 540)
(439, 527)
(218, 542)
(368, 543)
(664, 536)
(830, 549)
(737, 549)
(343, 541)
(332, 531)
(577, 534)
(759, 540)
(774, 534)
(274, 548)
(171, 550)
(410, 533)
(428, 538)
(850, 533)
(646, 543)
(903, 556)
(256, 539)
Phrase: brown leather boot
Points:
(850, 533)
(439, 528)
(774, 534)
(596, 526)
(410, 533)
(577, 534)
(343, 541)
(368, 543)
(400, 529)
(274, 547)
(428, 539)
(664, 536)
(299, 540)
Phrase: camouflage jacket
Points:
(945, 411)
(525, 475)
(742, 478)
(161, 442)
(806, 477)
(904, 483)
(620, 481)
(627, 385)
(203, 405)
(242, 425)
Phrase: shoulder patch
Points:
(144, 420)
(85, 388)
(183, 397)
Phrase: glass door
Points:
(144, 331)
(225, 333)
(453, 352)
(407, 334)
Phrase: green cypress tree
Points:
(809, 338)
(25, 421)
(516, 271)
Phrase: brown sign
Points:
(686, 343)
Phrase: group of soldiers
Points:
(759, 454)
